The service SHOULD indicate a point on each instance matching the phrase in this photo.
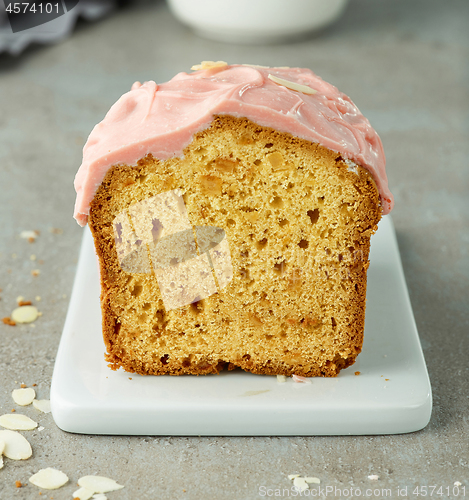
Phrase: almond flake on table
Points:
(209, 65)
(2, 447)
(83, 494)
(304, 89)
(17, 446)
(300, 379)
(312, 480)
(29, 235)
(25, 314)
(17, 422)
(49, 479)
(99, 484)
(373, 477)
(100, 496)
(24, 397)
(300, 483)
(281, 378)
(42, 405)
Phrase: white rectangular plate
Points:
(391, 395)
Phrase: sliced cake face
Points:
(248, 250)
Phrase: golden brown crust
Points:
(298, 224)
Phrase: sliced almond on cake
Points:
(292, 85)
(208, 65)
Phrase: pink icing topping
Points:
(162, 119)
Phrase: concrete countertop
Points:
(406, 65)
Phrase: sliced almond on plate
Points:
(49, 479)
(16, 445)
(17, 422)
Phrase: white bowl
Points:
(254, 21)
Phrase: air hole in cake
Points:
(245, 139)
(283, 222)
(257, 162)
(357, 188)
(197, 307)
(268, 145)
(230, 222)
(303, 244)
(276, 160)
(334, 324)
(290, 185)
(200, 152)
(210, 185)
(244, 254)
(164, 359)
(254, 320)
(313, 215)
(261, 244)
(244, 273)
(268, 337)
(247, 357)
(341, 258)
(187, 361)
(279, 268)
(141, 178)
(225, 166)
(277, 202)
(136, 290)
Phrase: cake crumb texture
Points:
(298, 222)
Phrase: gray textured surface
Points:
(406, 65)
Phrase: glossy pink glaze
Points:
(162, 119)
